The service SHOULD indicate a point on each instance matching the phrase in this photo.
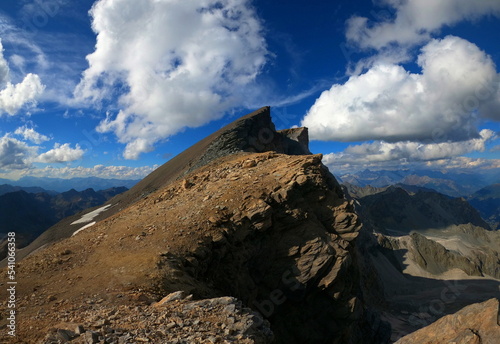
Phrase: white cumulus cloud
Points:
(61, 153)
(14, 96)
(458, 84)
(31, 135)
(176, 64)
(414, 21)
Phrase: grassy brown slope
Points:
(165, 174)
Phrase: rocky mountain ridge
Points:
(243, 238)
(254, 132)
(272, 230)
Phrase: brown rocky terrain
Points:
(176, 319)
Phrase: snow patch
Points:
(90, 216)
(84, 227)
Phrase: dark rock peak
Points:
(255, 133)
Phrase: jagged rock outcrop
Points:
(285, 250)
(475, 324)
(272, 230)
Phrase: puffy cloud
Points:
(169, 77)
(31, 135)
(14, 96)
(407, 151)
(14, 154)
(61, 153)
(413, 21)
(458, 82)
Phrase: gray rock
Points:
(91, 337)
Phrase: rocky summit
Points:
(246, 237)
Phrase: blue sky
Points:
(113, 88)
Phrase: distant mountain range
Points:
(487, 202)
(454, 184)
(62, 185)
(401, 209)
(6, 188)
(30, 214)
(481, 189)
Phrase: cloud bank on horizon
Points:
(411, 117)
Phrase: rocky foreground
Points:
(176, 319)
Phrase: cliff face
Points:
(270, 229)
